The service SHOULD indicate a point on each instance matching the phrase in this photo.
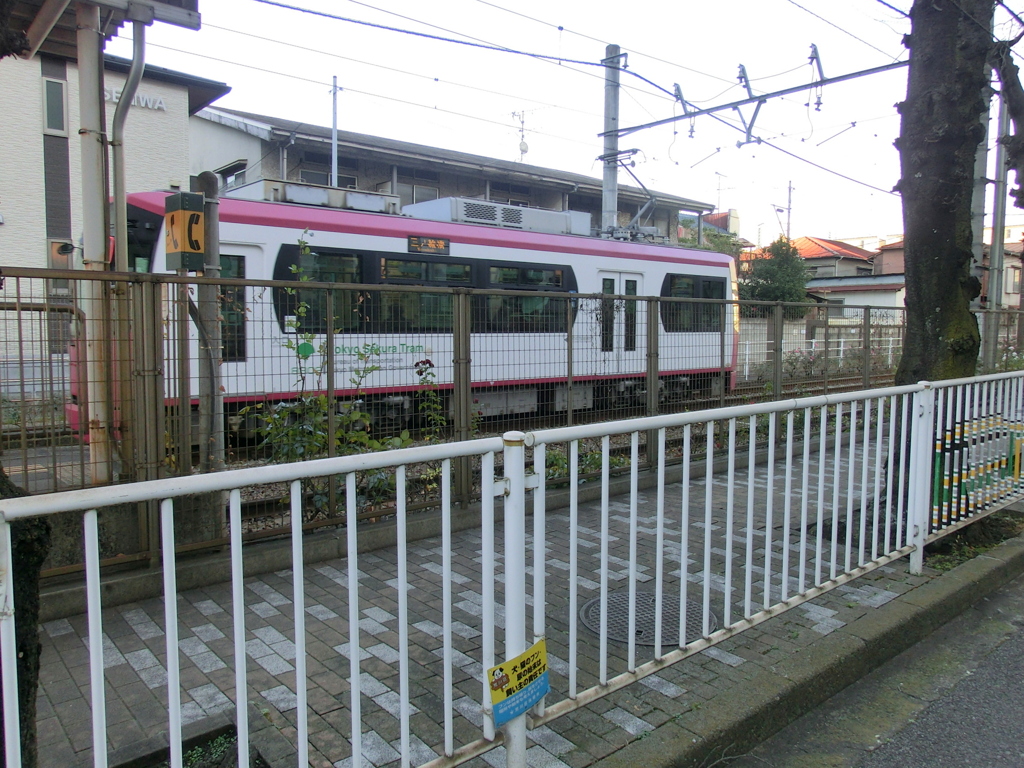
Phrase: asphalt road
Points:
(955, 699)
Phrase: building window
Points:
(1012, 280)
(410, 193)
(233, 175)
(510, 194)
(55, 107)
(323, 178)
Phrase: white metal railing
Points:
(798, 497)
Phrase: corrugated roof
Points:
(407, 153)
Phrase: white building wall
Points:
(214, 146)
(156, 139)
(23, 233)
(156, 152)
(884, 299)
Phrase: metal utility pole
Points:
(211, 394)
(789, 211)
(996, 250)
(334, 132)
(610, 188)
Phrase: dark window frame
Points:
(696, 317)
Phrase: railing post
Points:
(653, 378)
(9, 650)
(919, 466)
(515, 580)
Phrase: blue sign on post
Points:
(519, 683)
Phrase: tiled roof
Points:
(819, 248)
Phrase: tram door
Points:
(623, 341)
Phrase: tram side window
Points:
(711, 314)
(232, 309)
(304, 309)
(422, 312)
(523, 313)
(678, 316)
(143, 233)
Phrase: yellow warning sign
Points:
(184, 232)
(519, 683)
(184, 228)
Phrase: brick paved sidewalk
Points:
(134, 641)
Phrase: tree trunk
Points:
(941, 129)
(31, 543)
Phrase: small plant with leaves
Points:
(301, 429)
(430, 403)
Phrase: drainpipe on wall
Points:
(140, 16)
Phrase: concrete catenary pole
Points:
(610, 188)
(89, 40)
(334, 132)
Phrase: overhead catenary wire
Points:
(844, 31)
(894, 8)
(483, 119)
(826, 169)
(418, 75)
(472, 43)
(326, 84)
(561, 28)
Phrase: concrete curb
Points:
(733, 724)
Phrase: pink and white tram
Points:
(519, 348)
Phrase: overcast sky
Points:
(280, 62)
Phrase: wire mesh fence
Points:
(120, 377)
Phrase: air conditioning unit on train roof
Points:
(468, 211)
(276, 191)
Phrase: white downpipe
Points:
(117, 145)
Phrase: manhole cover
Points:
(618, 618)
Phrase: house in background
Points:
(244, 148)
(832, 258)
(824, 258)
(889, 258)
(859, 290)
(889, 261)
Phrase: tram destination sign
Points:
(436, 245)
